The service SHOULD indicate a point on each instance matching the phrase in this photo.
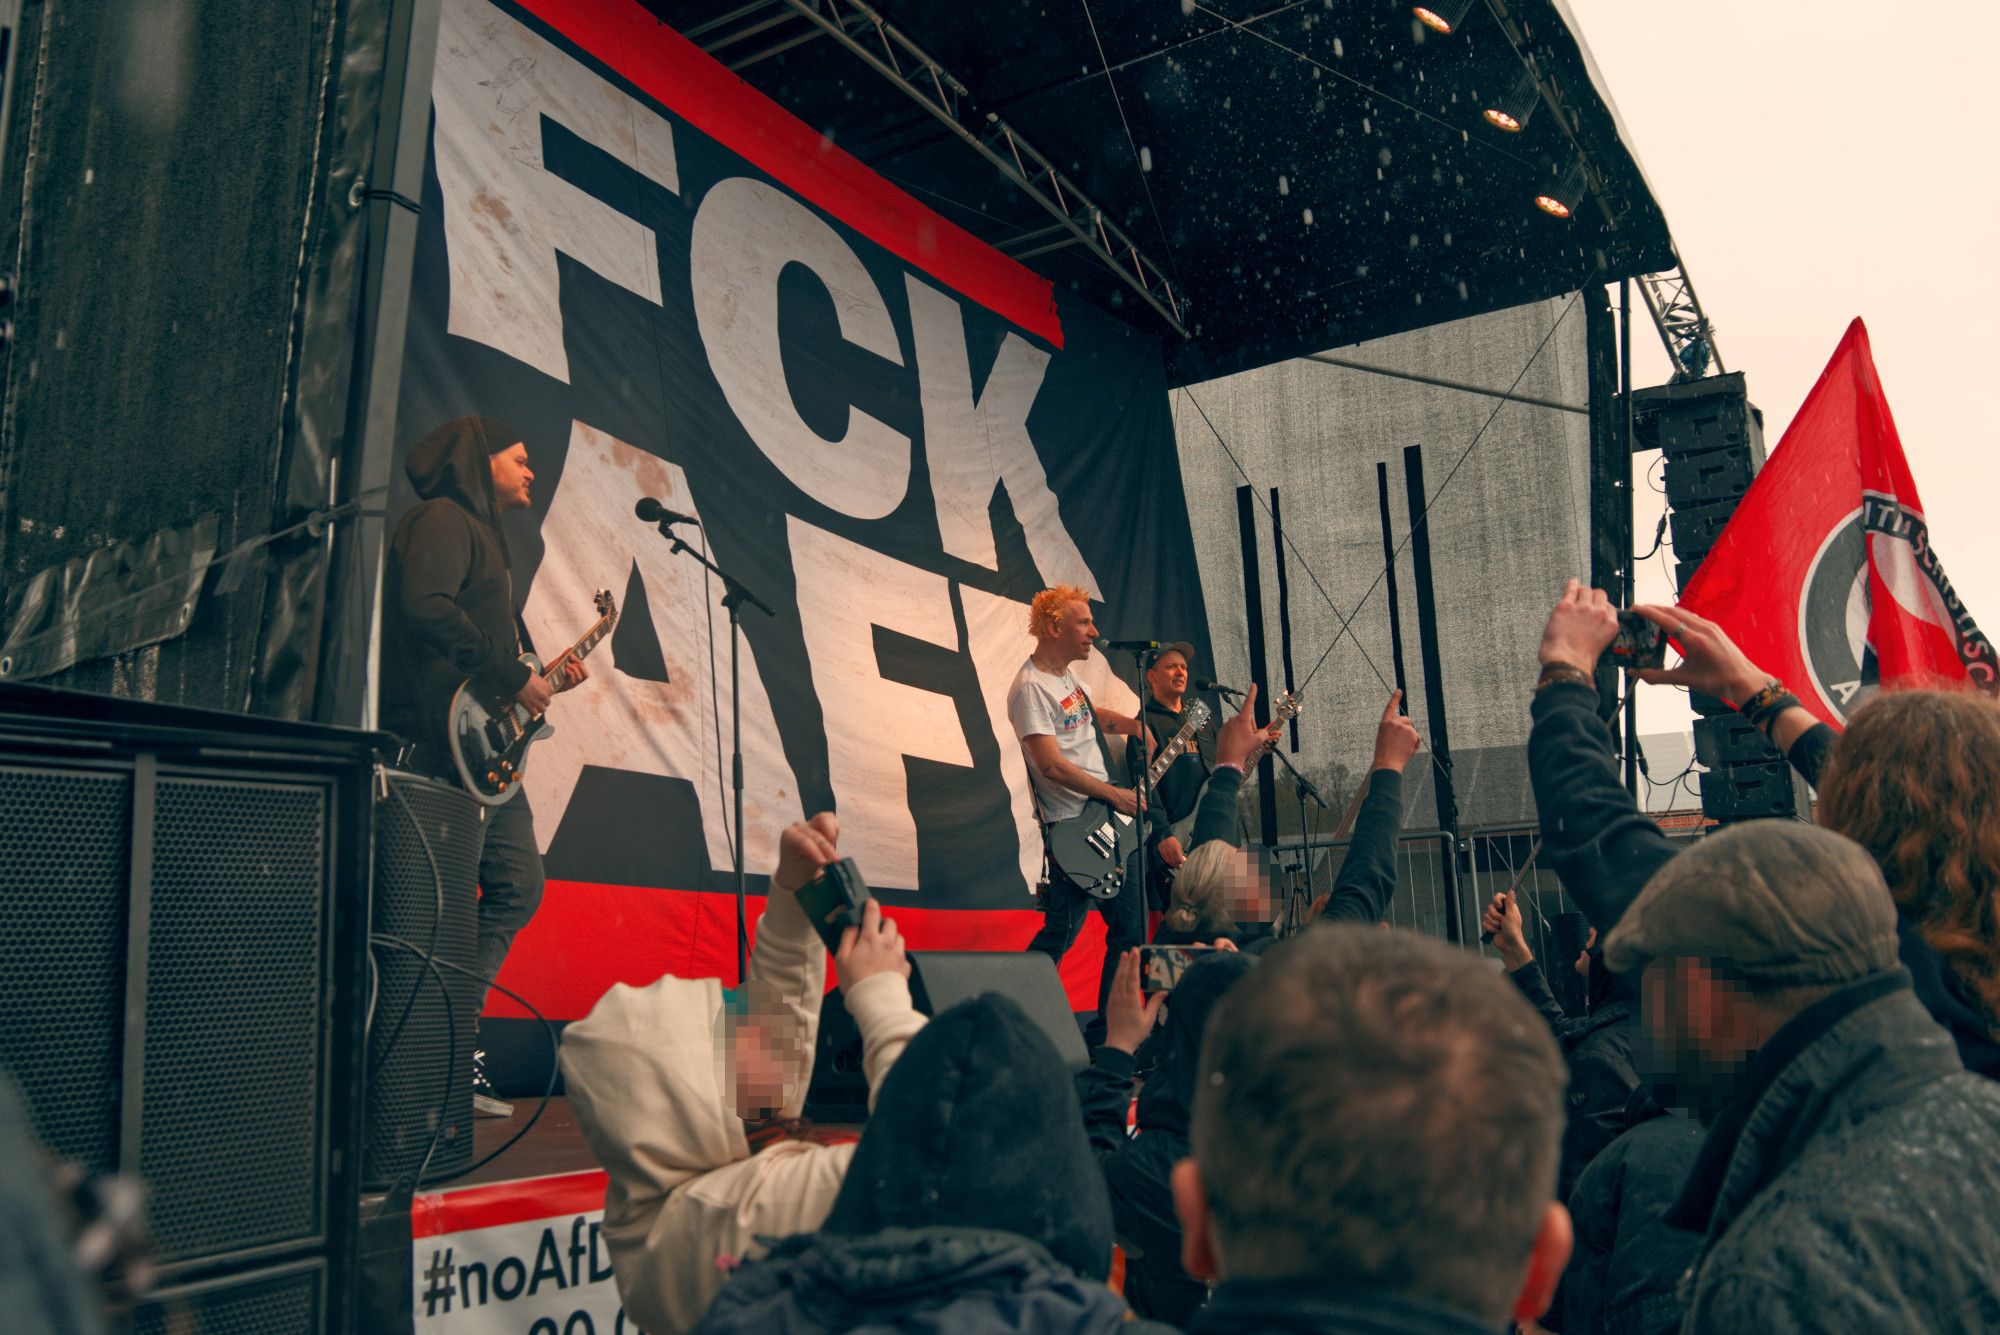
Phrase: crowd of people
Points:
(1776, 1113)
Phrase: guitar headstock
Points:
(1287, 706)
(605, 606)
(1196, 715)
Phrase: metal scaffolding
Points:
(1076, 220)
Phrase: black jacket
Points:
(1624, 1276)
(1603, 1077)
(1367, 876)
(1138, 1169)
(972, 1203)
(926, 1281)
(1300, 1307)
(448, 600)
(1851, 1183)
(1605, 849)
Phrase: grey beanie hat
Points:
(1780, 902)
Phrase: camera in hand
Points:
(1640, 644)
(833, 900)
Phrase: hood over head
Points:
(452, 462)
(1169, 1093)
(977, 1126)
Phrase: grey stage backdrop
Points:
(1507, 529)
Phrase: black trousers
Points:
(1063, 911)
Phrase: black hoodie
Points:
(1138, 1170)
(971, 1203)
(448, 601)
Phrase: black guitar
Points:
(1093, 846)
(490, 732)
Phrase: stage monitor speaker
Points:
(427, 843)
(939, 980)
(182, 913)
(1754, 792)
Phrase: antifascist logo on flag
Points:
(1825, 574)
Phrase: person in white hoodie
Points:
(664, 1078)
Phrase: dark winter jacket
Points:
(972, 1203)
(1367, 876)
(933, 1281)
(1318, 1307)
(1605, 849)
(1850, 1185)
(1138, 1169)
(1938, 985)
(448, 600)
(1624, 1276)
(1603, 1076)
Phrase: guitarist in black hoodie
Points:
(448, 614)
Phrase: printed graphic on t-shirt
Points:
(1075, 709)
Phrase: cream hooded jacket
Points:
(645, 1077)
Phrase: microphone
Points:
(653, 512)
(1204, 684)
(1138, 646)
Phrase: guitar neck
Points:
(555, 673)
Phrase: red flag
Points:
(1825, 574)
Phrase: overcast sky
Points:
(1819, 162)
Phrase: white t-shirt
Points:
(1052, 704)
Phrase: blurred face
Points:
(1701, 1034)
(512, 477)
(1247, 889)
(1169, 676)
(1077, 631)
(758, 1070)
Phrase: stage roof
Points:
(1307, 174)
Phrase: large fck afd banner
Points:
(891, 433)
(1825, 574)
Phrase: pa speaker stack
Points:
(427, 844)
(1712, 438)
(183, 912)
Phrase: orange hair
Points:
(1915, 780)
(1045, 613)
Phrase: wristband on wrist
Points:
(1763, 708)
(1227, 764)
(1566, 673)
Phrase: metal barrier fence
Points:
(1496, 858)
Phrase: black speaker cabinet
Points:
(183, 915)
(939, 980)
(427, 843)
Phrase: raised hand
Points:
(805, 847)
(1128, 1015)
(1239, 738)
(1502, 920)
(1710, 661)
(1396, 738)
(1580, 628)
(873, 946)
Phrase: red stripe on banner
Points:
(507, 1203)
(679, 75)
(586, 937)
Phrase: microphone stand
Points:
(734, 595)
(1305, 789)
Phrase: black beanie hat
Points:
(977, 1126)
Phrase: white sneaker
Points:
(486, 1103)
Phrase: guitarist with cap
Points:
(1180, 786)
(1058, 729)
(448, 615)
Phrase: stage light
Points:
(1444, 15)
(1561, 199)
(1511, 112)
